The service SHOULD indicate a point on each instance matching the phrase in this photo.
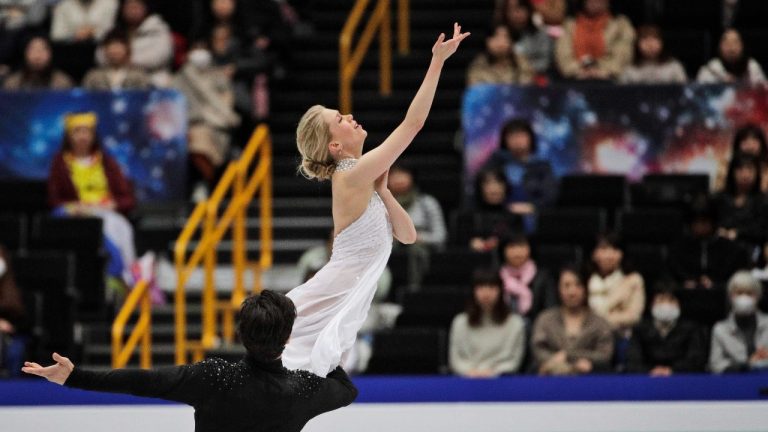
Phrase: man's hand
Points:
(6, 327)
(583, 365)
(57, 373)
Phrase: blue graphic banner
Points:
(144, 131)
(610, 129)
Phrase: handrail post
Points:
(239, 252)
(146, 340)
(385, 49)
(404, 27)
(209, 291)
(266, 209)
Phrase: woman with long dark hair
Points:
(571, 339)
(741, 207)
(748, 140)
(151, 41)
(487, 339)
(499, 63)
(530, 41)
(38, 72)
(732, 64)
(652, 63)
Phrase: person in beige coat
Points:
(595, 44)
(117, 73)
(570, 339)
(499, 63)
(210, 101)
(615, 294)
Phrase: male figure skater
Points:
(255, 394)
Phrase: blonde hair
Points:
(312, 137)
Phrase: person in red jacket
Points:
(86, 182)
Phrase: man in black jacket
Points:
(255, 394)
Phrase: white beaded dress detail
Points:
(333, 304)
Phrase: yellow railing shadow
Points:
(249, 175)
(350, 58)
(241, 181)
(142, 331)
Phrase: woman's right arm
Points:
(375, 162)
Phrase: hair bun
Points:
(313, 169)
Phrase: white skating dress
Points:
(333, 305)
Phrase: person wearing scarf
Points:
(528, 289)
(595, 45)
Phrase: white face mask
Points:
(665, 312)
(744, 304)
(200, 58)
(3, 267)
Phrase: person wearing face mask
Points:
(210, 101)
(12, 320)
(664, 344)
(740, 342)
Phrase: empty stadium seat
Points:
(650, 260)
(574, 226)
(46, 280)
(669, 190)
(553, 257)
(604, 191)
(13, 231)
(409, 351)
(23, 196)
(432, 308)
(650, 225)
(455, 266)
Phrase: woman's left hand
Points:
(381, 183)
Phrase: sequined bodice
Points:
(369, 235)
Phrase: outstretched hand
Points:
(445, 48)
(57, 373)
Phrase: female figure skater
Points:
(334, 303)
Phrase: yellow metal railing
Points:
(242, 179)
(142, 331)
(350, 58)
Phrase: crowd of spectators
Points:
(564, 41)
(222, 54)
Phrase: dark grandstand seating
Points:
(650, 225)
(574, 226)
(409, 351)
(455, 266)
(669, 190)
(432, 306)
(604, 191)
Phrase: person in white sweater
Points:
(487, 340)
(83, 20)
(731, 65)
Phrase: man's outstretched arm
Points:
(177, 383)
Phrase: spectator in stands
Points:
(210, 101)
(749, 140)
(85, 181)
(740, 342)
(17, 19)
(652, 64)
(38, 72)
(530, 42)
(151, 41)
(742, 211)
(595, 45)
(615, 293)
(552, 14)
(83, 20)
(12, 319)
(531, 182)
(732, 64)
(487, 340)
(664, 344)
(570, 338)
(528, 288)
(427, 217)
(117, 73)
(499, 63)
(701, 259)
(490, 220)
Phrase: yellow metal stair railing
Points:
(241, 180)
(350, 58)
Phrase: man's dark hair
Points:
(265, 324)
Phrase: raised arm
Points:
(374, 163)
